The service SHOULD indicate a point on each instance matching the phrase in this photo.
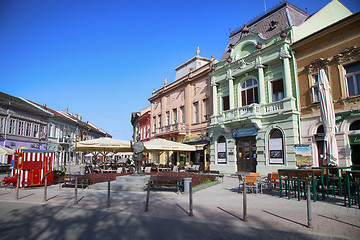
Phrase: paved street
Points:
(217, 215)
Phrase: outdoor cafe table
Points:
(351, 188)
(311, 173)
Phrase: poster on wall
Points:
(276, 151)
(221, 152)
(303, 155)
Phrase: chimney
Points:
(76, 116)
(80, 117)
(67, 110)
(165, 81)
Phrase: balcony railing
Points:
(253, 110)
(176, 127)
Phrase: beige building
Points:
(181, 110)
(336, 50)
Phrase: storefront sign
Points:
(245, 132)
(276, 151)
(354, 139)
(341, 116)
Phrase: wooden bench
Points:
(69, 181)
(166, 181)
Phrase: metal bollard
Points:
(75, 195)
(147, 198)
(308, 200)
(17, 188)
(244, 202)
(190, 199)
(45, 190)
(108, 198)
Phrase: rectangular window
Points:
(2, 124)
(148, 131)
(167, 118)
(174, 116)
(182, 112)
(196, 112)
(159, 118)
(21, 128)
(42, 132)
(226, 103)
(206, 110)
(315, 88)
(28, 129)
(278, 90)
(36, 131)
(352, 75)
(12, 126)
(154, 124)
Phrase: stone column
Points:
(287, 75)
(261, 83)
(215, 99)
(231, 92)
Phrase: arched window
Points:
(221, 150)
(355, 125)
(276, 147)
(249, 92)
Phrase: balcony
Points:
(177, 128)
(254, 111)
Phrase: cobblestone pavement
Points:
(218, 214)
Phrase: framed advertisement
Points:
(276, 151)
(222, 153)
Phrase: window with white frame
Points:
(148, 131)
(36, 131)
(42, 131)
(249, 92)
(28, 129)
(2, 124)
(206, 109)
(315, 88)
(277, 90)
(167, 118)
(352, 75)
(12, 126)
(174, 116)
(154, 124)
(159, 121)
(21, 128)
(196, 112)
(182, 112)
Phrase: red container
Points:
(32, 166)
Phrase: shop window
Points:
(352, 75)
(221, 150)
(249, 92)
(276, 147)
(277, 90)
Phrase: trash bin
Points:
(187, 182)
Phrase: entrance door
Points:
(246, 154)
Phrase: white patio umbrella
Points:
(103, 145)
(328, 119)
(161, 144)
(6, 151)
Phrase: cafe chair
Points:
(251, 183)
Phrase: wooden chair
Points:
(259, 180)
(273, 180)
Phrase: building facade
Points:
(336, 50)
(256, 117)
(181, 111)
(21, 125)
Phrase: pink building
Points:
(181, 110)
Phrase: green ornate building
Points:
(256, 116)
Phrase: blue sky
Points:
(102, 58)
